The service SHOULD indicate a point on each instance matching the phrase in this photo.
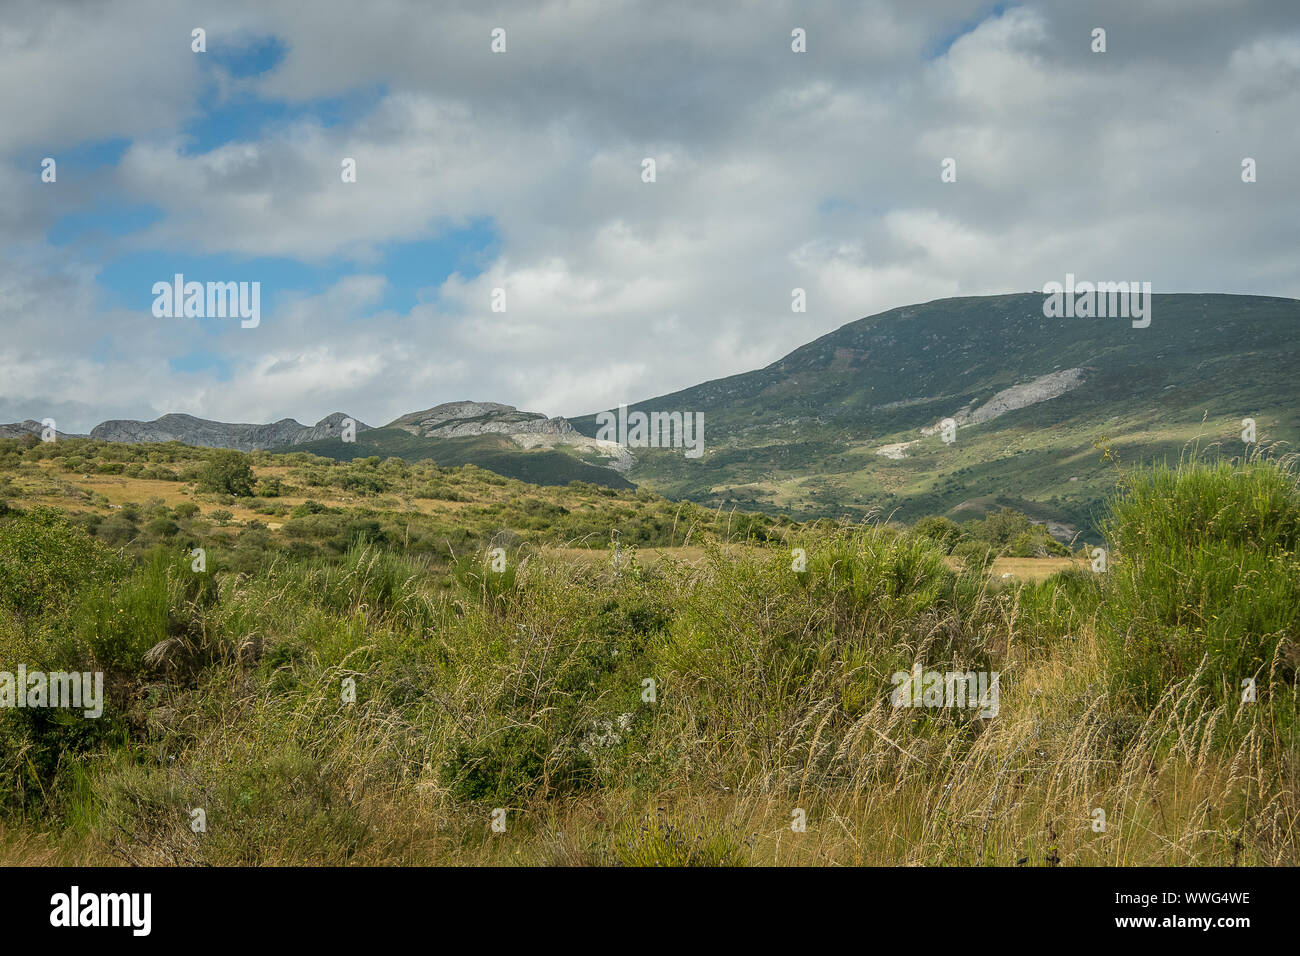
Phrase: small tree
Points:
(227, 472)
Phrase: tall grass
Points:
(1206, 581)
(682, 714)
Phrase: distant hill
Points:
(209, 434)
(849, 423)
(554, 465)
(500, 438)
(30, 427)
(460, 419)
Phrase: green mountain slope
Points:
(803, 434)
(496, 453)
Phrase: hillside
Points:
(204, 433)
(848, 423)
(526, 446)
(551, 464)
(138, 496)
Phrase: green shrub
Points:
(506, 767)
(162, 528)
(944, 531)
(674, 840)
(475, 575)
(116, 530)
(975, 556)
(1203, 568)
(227, 472)
(161, 601)
(45, 559)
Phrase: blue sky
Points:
(520, 173)
(101, 231)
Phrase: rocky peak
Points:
(461, 419)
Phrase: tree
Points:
(227, 472)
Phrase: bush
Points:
(943, 531)
(162, 528)
(45, 559)
(1203, 569)
(159, 607)
(116, 530)
(974, 555)
(227, 472)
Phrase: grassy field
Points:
(1022, 569)
(374, 682)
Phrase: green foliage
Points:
(678, 841)
(161, 605)
(974, 555)
(943, 531)
(1204, 580)
(496, 453)
(526, 688)
(505, 767)
(478, 577)
(227, 472)
(45, 560)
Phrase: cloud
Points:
(775, 170)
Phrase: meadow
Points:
(393, 663)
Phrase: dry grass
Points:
(772, 697)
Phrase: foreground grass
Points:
(674, 712)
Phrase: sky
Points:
(522, 170)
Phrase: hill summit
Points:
(209, 434)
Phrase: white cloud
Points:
(775, 170)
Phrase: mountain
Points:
(853, 422)
(500, 438)
(850, 423)
(458, 419)
(30, 427)
(524, 445)
(555, 464)
(209, 434)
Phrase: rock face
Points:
(30, 427)
(526, 429)
(209, 434)
(463, 419)
(1042, 389)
